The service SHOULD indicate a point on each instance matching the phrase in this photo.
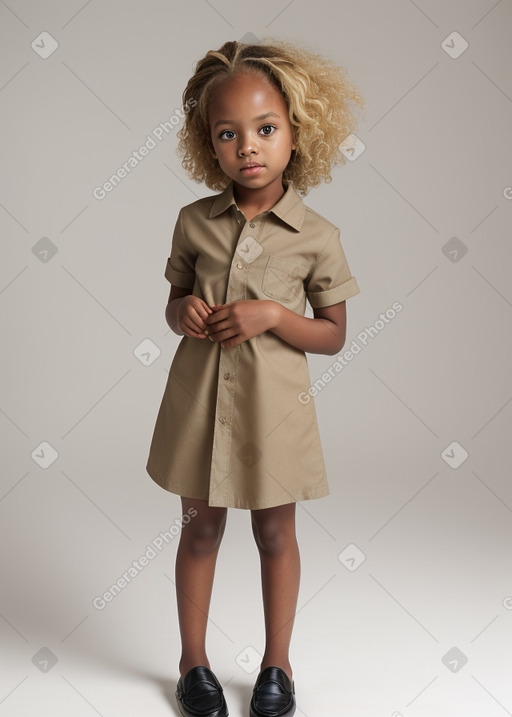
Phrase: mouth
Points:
(251, 168)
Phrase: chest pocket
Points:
(283, 278)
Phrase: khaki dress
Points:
(232, 428)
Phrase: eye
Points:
(268, 129)
(227, 134)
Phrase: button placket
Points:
(226, 389)
(227, 371)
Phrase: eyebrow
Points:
(255, 119)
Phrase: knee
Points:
(272, 538)
(203, 539)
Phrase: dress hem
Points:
(306, 494)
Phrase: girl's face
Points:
(250, 131)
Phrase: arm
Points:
(325, 334)
(238, 321)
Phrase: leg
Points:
(274, 533)
(195, 568)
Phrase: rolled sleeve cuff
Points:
(179, 278)
(319, 299)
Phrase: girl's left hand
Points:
(235, 322)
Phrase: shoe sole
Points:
(290, 712)
(185, 713)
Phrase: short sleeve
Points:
(180, 267)
(330, 280)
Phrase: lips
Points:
(251, 167)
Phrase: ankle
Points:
(283, 664)
(187, 663)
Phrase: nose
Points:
(248, 145)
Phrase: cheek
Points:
(216, 147)
(288, 142)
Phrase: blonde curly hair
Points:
(317, 93)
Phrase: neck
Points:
(254, 201)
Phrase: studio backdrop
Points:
(405, 604)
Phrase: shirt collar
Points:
(290, 208)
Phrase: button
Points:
(252, 224)
(239, 265)
(224, 420)
(227, 375)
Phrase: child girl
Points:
(264, 123)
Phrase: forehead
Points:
(244, 93)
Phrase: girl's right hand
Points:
(191, 311)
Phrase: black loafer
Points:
(200, 694)
(273, 694)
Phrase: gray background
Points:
(82, 286)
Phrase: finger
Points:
(214, 318)
(194, 325)
(218, 331)
(221, 336)
(202, 312)
(205, 308)
(198, 320)
(212, 334)
(232, 342)
(191, 329)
